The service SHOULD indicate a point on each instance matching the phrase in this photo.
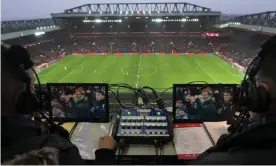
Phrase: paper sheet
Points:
(190, 140)
(86, 137)
(216, 129)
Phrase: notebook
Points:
(86, 137)
(192, 139)
(216, 129)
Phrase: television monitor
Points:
(203, 102)
(72, 102)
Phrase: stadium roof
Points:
(137, 9)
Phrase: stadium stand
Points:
(159, 44)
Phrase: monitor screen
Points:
(79, 102)
(203, 103)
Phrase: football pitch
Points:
(159, 71)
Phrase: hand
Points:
(106, 142)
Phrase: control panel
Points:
(144, 126)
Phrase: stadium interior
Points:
(132, 46)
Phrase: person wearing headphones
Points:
(24, 140)
(254, 144)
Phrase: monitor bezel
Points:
(234, 86)
(94, 120)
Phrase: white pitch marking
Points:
(206, 72)
(139, 69)
(72, 72)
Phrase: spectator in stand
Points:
(238, 50)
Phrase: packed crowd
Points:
(238, 50)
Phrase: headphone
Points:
(19, 59)
(257, 96)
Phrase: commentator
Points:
(28, 142)
(255, 144)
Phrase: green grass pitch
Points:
(155, 71)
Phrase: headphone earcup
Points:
(27, 103)
(259, 100)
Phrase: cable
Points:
(197, 82)
(159, 101)
(116, 94)
(73, 129)
(161, 94)
(156, 147)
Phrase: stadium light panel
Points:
(149, 12)
(44, 27)
(39, 33)
(169, 11)
(89, 12)
(101, 12)
(120, 20)
(138, 12)
(98, 20)
(54, 26)
(167, 17)
(112, 12)
(131, 12)
(37, 28)
(121, 12)
(128, 26)
(158, 20)
(183, 20)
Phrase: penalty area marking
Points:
(73, 71)
(233, 75)
(198, 65)
(142, 75)
(43, 75)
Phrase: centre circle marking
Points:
(142, 66)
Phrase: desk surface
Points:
(86, 136)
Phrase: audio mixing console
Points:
(144, 126)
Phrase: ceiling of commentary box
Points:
(138, 83)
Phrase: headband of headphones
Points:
(267, 48)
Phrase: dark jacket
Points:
(225, 111)
(254, 146)
(208, 111)
(193, 110)
(23, 137)
(79, 108)
(98, 109)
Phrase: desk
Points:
(86, 136)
